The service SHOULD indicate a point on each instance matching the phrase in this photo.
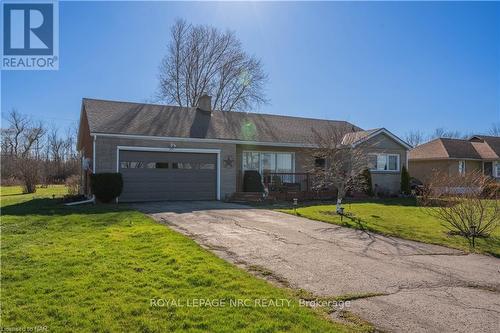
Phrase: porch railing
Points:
(286, 186)
(286, 182)
(281, 181)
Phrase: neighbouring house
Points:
(479, 153)
(195, 153)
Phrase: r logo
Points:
(28, 29)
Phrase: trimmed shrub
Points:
(252, 181)
(367, 180)
(405, 181)
(106, 186)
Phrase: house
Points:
(195, 153)
(479, 153)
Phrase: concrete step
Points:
(247, 197)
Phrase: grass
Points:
(13, 194)
(96, 268)
(400, 218)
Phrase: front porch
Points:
(283, 186)
(283, 175)
(492, 169)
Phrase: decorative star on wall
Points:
(228, 162)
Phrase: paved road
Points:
(428, 288)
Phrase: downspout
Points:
(82, 172)
(93, 152)
(407, 166)
(91, 200)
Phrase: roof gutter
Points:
(448, 158)
(202, 140)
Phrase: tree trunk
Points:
(340, 196)
(339, 205)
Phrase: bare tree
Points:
(27, 161)
(72, 162)
(56, 146)
(18, 124)
(21, 141)
(202, 59)
(495, 129)
(336, 164)
(30, 156)
(8, 168)
(414, 138)
(467, 204)
(61, 158)
(22, 135)
(443, 133)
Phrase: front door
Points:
(488, 168)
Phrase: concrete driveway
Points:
(426, 288)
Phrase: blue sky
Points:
(403, 66)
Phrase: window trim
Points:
(461, 172)
(496, 166)
(266, 152)
(398, 162)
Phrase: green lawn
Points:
(401, 218)
(13, 194)
(96, 268)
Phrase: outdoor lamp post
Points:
(295, 204)
(473, 232)
(340, 211)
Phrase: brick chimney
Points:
(205, 103)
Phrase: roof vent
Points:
(205, 103)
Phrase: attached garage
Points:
(152, 175)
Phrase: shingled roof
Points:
(445, 148)
(354, 137)
(112, 117)
(493, 143)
